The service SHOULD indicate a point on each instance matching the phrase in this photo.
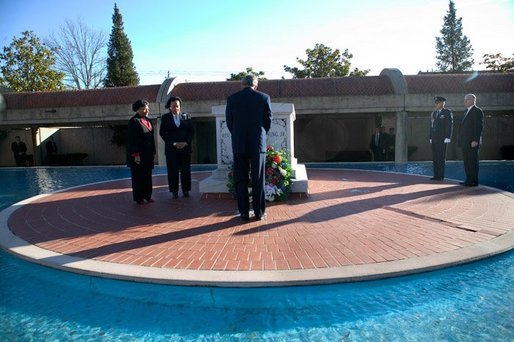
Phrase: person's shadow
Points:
(335, 211)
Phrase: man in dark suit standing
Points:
(248, 115)
(51, 149)
(19, 150)
(391, 145)
(470, 136)
(441, 128)
(378, 144)
(177, 132)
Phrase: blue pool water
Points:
(498, 174)
(473, 302)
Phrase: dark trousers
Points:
(179, 163)
(141, 182)
(438, 158)
(390, 154)
(470, 157)
(378, 154)
(253, 163)
(20, 159)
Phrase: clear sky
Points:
(207, 40)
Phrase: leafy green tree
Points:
(498, 63)
(249, 71)
(27, 65)
(322, 61)
(454, 50)
(120, 68)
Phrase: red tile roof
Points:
(305, 87)
(430, 83)
(79, 98)
(460, 83)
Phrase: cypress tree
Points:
(454, 50)
(120, 68)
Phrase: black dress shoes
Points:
(245, 217)
(259, 217)
(468, 184)
(437, 178)
(186, 193)
(175, 195)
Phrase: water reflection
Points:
(47, 181)
(470, 302)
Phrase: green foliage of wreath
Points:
(278, 176)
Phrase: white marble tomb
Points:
(280, 136)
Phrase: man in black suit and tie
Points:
(177, 132)
(470, 136)
(441, 128)
(19, 150)
(248, 116)
(378, 144)
(51, 149)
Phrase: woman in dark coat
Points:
(141, 152)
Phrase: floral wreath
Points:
(278, 176)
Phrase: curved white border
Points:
(21, 248)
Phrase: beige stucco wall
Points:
(318, 138)
(94, 141)
(73, 116)
(324, 125)
(6, 155)
(498, 131)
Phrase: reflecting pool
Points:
(473, 302)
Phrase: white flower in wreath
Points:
(269, 192)
(283, 172)
(278, 191)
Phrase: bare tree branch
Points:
(80, 53)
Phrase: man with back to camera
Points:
(248, 116)
(441, 128)
(470, 138)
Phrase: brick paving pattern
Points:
(350, 218)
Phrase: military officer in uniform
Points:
(441, 128)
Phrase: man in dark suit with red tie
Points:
(470, 136)
(441, 127)
(248, 116)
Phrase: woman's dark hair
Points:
(171, 99)
(138, 104)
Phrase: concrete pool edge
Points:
(353, 273)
